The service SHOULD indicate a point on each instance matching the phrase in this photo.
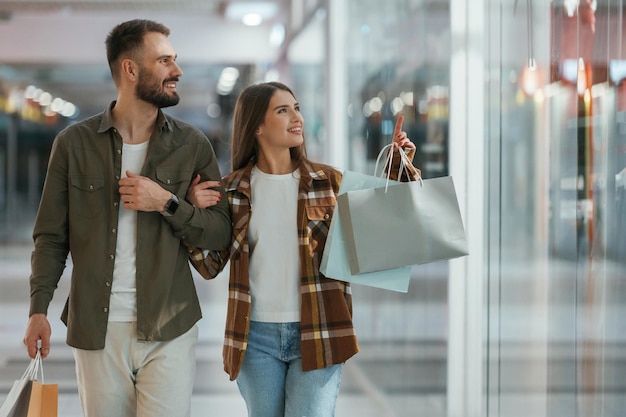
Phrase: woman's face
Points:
(283, 124)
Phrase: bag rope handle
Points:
(34, 367)
(404, 163)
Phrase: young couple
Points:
(133, 194)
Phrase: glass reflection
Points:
(555, 285)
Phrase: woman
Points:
(288, 328)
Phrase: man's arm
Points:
(51, 238)
(205, 227)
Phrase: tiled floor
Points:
(398, 373)
(360, 393)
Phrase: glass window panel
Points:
(557, 154)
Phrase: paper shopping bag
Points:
(409, 223)
(335, 263)
(44, 400)
(16, 402)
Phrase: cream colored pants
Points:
(130, 378)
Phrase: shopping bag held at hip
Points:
(29, 397)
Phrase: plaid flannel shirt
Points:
(327, 332)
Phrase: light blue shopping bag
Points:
(335, 263)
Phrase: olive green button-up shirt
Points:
(78, 215)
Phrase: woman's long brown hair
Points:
(249, 114)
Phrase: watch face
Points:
(172, 206)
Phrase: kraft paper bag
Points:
(407, 223)
(335, 263)
(25, 391)
(44, 400)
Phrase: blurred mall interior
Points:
(521, 102)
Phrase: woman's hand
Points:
(202, 194)
(400, 139)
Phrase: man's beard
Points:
(149, 90)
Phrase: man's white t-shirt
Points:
(123, 305)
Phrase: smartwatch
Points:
(171, 206)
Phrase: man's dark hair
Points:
(126, 39)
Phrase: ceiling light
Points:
(252, 19)
(251, 13)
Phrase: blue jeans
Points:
(271, 380)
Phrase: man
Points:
(114, 199)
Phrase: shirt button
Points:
(111, 257)
(105, 309)
(117, 177)
(114, 230)
(326, 216)
(90, 187)
(115, 204)
(168, 181)
(108, 284)
(119, 151)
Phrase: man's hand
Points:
(201, 194)
(38, 328)
(142, 194)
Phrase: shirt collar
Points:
(162, 122)
(240, 180)
(306, 166)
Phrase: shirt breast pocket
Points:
(318, 220)
(86, 196)
(175, 181)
